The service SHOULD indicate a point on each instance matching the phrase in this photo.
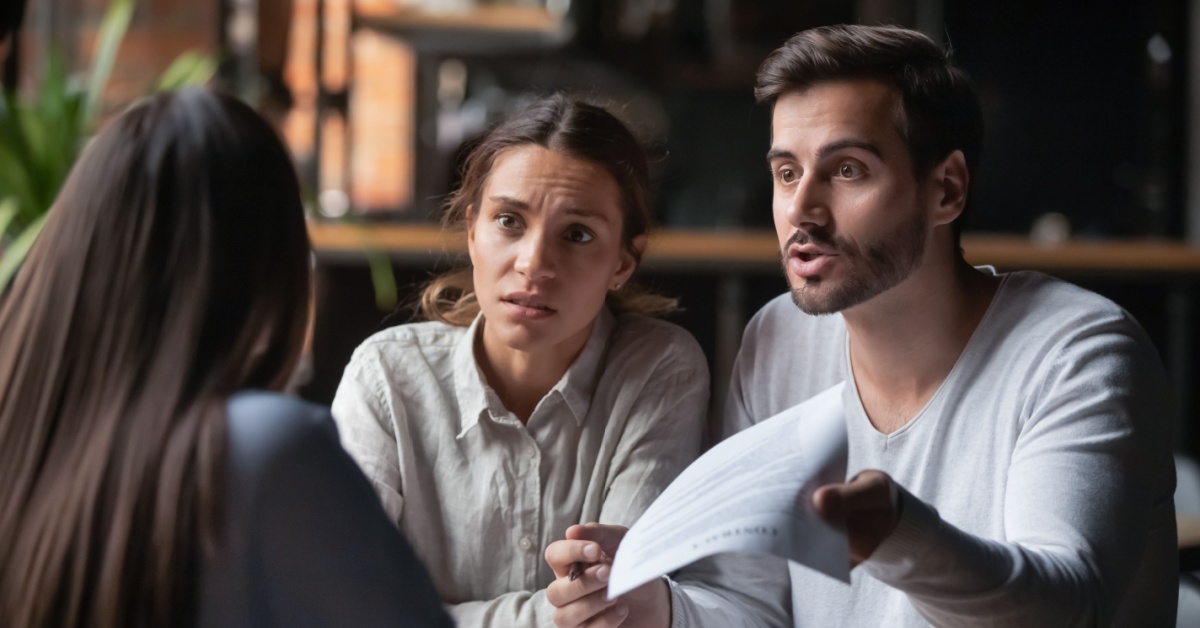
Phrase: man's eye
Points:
(786, 175)
(848, 171)
(579, 235)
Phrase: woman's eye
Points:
(579, 235)
(848, 171)
(507, 221)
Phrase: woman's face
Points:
(545, 243)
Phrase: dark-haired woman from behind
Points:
(542, 392)
(148, 476)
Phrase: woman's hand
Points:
(581, 601)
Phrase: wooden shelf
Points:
(758, 251)
(480, 18)
(480, 29)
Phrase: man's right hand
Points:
(581, 601)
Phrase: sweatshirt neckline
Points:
(965, 362)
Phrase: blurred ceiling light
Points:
(334, 203)
(1159, 49)
(452, 83)
(558, 8)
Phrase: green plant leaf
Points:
(15, 183)
(12, 133)
(189, 68)
(15, 253)
(41, 139)
(40, 130)
(382, 277)
(108, 41)
(8, 211)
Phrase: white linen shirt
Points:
(480, 495)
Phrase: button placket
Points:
(534, 516)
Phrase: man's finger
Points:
(869, 490)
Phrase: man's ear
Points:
(950, 181)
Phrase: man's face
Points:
(850, 215)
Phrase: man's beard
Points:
(869, 270)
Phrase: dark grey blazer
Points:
(305, 540)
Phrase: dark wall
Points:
(1085, 112)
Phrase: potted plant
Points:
(41, 136)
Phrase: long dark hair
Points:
(173, 271)
(575, 129)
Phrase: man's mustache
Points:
(801, 237)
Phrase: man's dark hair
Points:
(940, 110)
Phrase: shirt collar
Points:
(578, 384)
(468, 380)
(576, 387)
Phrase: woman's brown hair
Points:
(173, 271)
(575, 129)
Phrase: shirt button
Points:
(525, 543)
(533, 453)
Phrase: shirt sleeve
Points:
(662, 437)
(733, 589)
(519, 608)
(328, 556)
(1089, 517)
(366, 423)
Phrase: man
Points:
(1009, 453)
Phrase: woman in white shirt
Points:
(539, 394)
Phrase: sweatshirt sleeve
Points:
(732, 589)
(1089, 519)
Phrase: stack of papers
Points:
(751, 493)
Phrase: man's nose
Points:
(809, 205)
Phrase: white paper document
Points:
(750, 493)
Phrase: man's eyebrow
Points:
(827, 150)
(834, 147)
(779, 153)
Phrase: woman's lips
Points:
(527, 308)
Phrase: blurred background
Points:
(1086, 171)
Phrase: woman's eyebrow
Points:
(509, 201)
(586, 213)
